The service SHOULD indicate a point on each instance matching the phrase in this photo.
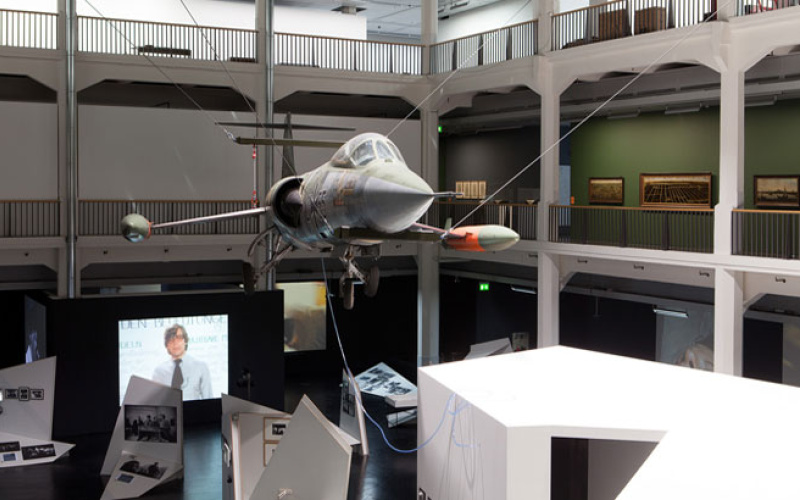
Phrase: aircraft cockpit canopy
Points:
(363, 149)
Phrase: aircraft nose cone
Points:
(392, 206)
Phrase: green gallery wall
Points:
(685, 143)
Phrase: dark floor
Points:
(384, 475)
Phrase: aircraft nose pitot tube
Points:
(135, 228)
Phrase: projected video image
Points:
(35, 330)
(189, 352)
(304, 309)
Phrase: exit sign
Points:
(483, 287)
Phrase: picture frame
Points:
(776, 191)
(675, 190)
(606, 190)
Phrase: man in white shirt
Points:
(183, 371)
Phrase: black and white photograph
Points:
(9, 446)
(381, 380)
(38, 451)
(144, 468)
(37, 394)
(12, 394)
(9, 457)
(278, 429)
(155, 424)
(125, 478)
(24, 394)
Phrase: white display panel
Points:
(143, 352)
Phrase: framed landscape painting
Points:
(606, 190)
(675, 190)
(776, 191)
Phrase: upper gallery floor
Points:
(676, 50)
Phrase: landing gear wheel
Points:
(373, 278)
(346, 290)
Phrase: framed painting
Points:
(606, 190)
(776, 191)
(675, 190)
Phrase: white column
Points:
(544, 35)
(549, 288)
(728, 320)
(731, 157)
(429, 30)
(550, 134)
(427, 254)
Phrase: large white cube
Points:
(711, 435)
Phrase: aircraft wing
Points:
(276, 141)
(417, 232)
(136, 228)
(355, 233)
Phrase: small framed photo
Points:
(12, 393)
(606, 190)
(776, 191)
(24, 393)
(37, 394)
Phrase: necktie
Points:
(177, 375)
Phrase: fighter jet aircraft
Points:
(363, 195)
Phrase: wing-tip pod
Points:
(135, 228)
(483, 238)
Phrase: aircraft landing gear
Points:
(353, 272)
(373, 278)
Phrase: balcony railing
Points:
(624, 18)
(33, 30)
(347, 54)
(102, 217)
(746, 7)
(687, 230)
(766, 233)
(29, 219)
(519, 217)
(504, 44)
(125, 37)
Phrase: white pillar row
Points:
(549, 289)
(731, 157)
(428, 253)
(728, 321)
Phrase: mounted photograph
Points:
(776, 191)
(675, 190)
(606, 191)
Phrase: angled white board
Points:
(312, 460)
(250, 435)
(149, 424)
(26, 414)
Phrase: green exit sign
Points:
(483, 287)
